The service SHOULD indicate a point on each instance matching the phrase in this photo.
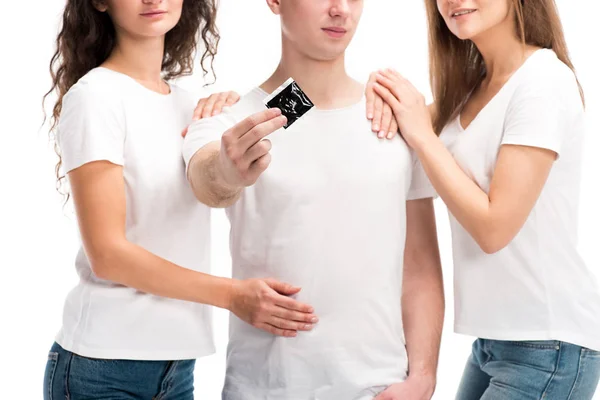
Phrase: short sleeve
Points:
(420, 186)
(205, 131)
(91, 128)
(539, 111)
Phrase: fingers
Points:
(386, 121)
(276, 331)
(294, 315)
(260, 131)
(185, 132)
(282, 287)
(219, 104)
(293, 305)
(199, 109)
(370, 95)
(258, 150)
(247, 124)
(285, 324)
(377, 113)
(395, 76)
(385, 395)
(402, 88)
(390, 84)
(393, 129)
(392, 73)
(232, 98)
(259, 166)
(214, 104)
(208, 107)
(387, 96)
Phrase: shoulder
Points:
(547, 77)
(249, 104)
(98, 90)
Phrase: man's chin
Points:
(329, 55)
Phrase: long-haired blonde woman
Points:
(507, 163)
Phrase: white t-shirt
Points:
(328, 215)
(109, 116)
(538, 287)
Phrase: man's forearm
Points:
(423, 316)
(422, 291)
(206, 180)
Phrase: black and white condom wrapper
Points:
(291, 100)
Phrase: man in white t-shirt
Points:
(327, 206)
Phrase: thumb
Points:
(282, 288)
(385, 395)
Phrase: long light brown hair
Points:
(87, 37)
(456, 66)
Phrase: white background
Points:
(38, 238)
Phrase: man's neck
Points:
(325, 82)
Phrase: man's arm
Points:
(220, 170)
(207, 180)
(422, 290)
(422, 304)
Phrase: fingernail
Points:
(381, 134)
(390, 135)
(314, 320)
(293, 334)
(370, 116)
(308, 327)
(376, 128)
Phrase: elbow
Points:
(104, 260)
(214, 201)
(101, 267)
(491, 242)
(206, 200)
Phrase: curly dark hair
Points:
(88, 36)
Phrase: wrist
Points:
(425, 141)
(425, 380)
(221, 290)
(230, 294)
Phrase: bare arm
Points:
(422, 292)
(99, 194)
(493, 219)
(220, 170)
(208, 182)
(422, 304)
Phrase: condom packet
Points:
(291, 100)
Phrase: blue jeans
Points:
(549, 370)
(72, 377)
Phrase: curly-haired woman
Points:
(140, 314)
